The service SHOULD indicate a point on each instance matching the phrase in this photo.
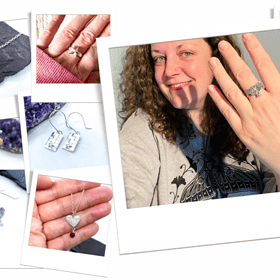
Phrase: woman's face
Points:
(182, 72)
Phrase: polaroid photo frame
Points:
(14, 200)
(22, 80)
(64, 260)
(182, 225)
(64, 92)
(75, 165)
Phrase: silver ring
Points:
(75, 52)
(255, 90)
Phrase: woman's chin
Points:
(179, 104)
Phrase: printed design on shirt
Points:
(212, 174)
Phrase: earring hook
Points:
(68, 125)
(52, 113)
(1, 192)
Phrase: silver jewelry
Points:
(2, 212)
(2, 209)
(1, 192)
(75, 51)
(73, 137)
(56, 136)
(10, 41)
(73, 220)
(255, 90)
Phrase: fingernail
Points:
(223, 45)
(213, 62)
(211, 89)
(247, 36)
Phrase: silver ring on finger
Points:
(75, 52)
(255, 90)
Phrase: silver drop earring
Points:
(2, 209)
(56, 136)
(73, 137)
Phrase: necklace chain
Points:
(10, 41)
(74, 212)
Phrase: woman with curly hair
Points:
(177, 144)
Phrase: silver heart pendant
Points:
(73, 221)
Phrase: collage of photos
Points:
(115, 148)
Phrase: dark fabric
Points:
(15, 56)
(90, 247)
(18, 176)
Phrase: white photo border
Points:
(182, 225)
(63, 92)
(63, 260)
(101, 173)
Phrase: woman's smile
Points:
(182, 71)
(178, 86)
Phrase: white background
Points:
(245, 260)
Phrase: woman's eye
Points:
(159, 59)
(186, 54)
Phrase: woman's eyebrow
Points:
(185, 44)
(156, 51)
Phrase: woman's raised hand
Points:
(49, 227)
(80, 34)
(255, 120)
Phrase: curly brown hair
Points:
(140, 91)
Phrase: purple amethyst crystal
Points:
(35, 113)
(11, 135)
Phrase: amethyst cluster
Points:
(35, 113)
(11, 135)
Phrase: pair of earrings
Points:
(56, 136)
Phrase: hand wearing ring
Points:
(75, 47)
(254, 119)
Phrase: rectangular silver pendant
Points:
(54, 141)
(72, 141)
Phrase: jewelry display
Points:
(255, 90)
(75, 52)
(73, 137)
(15, 52)
(74, 219)
(2, 212)
(10, 41)
(56, 136)
(2, 209)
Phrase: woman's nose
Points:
(172, 67)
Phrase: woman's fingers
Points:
(65, 242)
(50, 31)
(61, 188)
(59, 227)
(230, 89)
(37, 238)
(226, 108)
(89, 60)
(263, 63)
(44, 182)
(239, 68)
(89, 34)
(63, 206)
(68, 35)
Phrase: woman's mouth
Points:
(178, 86)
